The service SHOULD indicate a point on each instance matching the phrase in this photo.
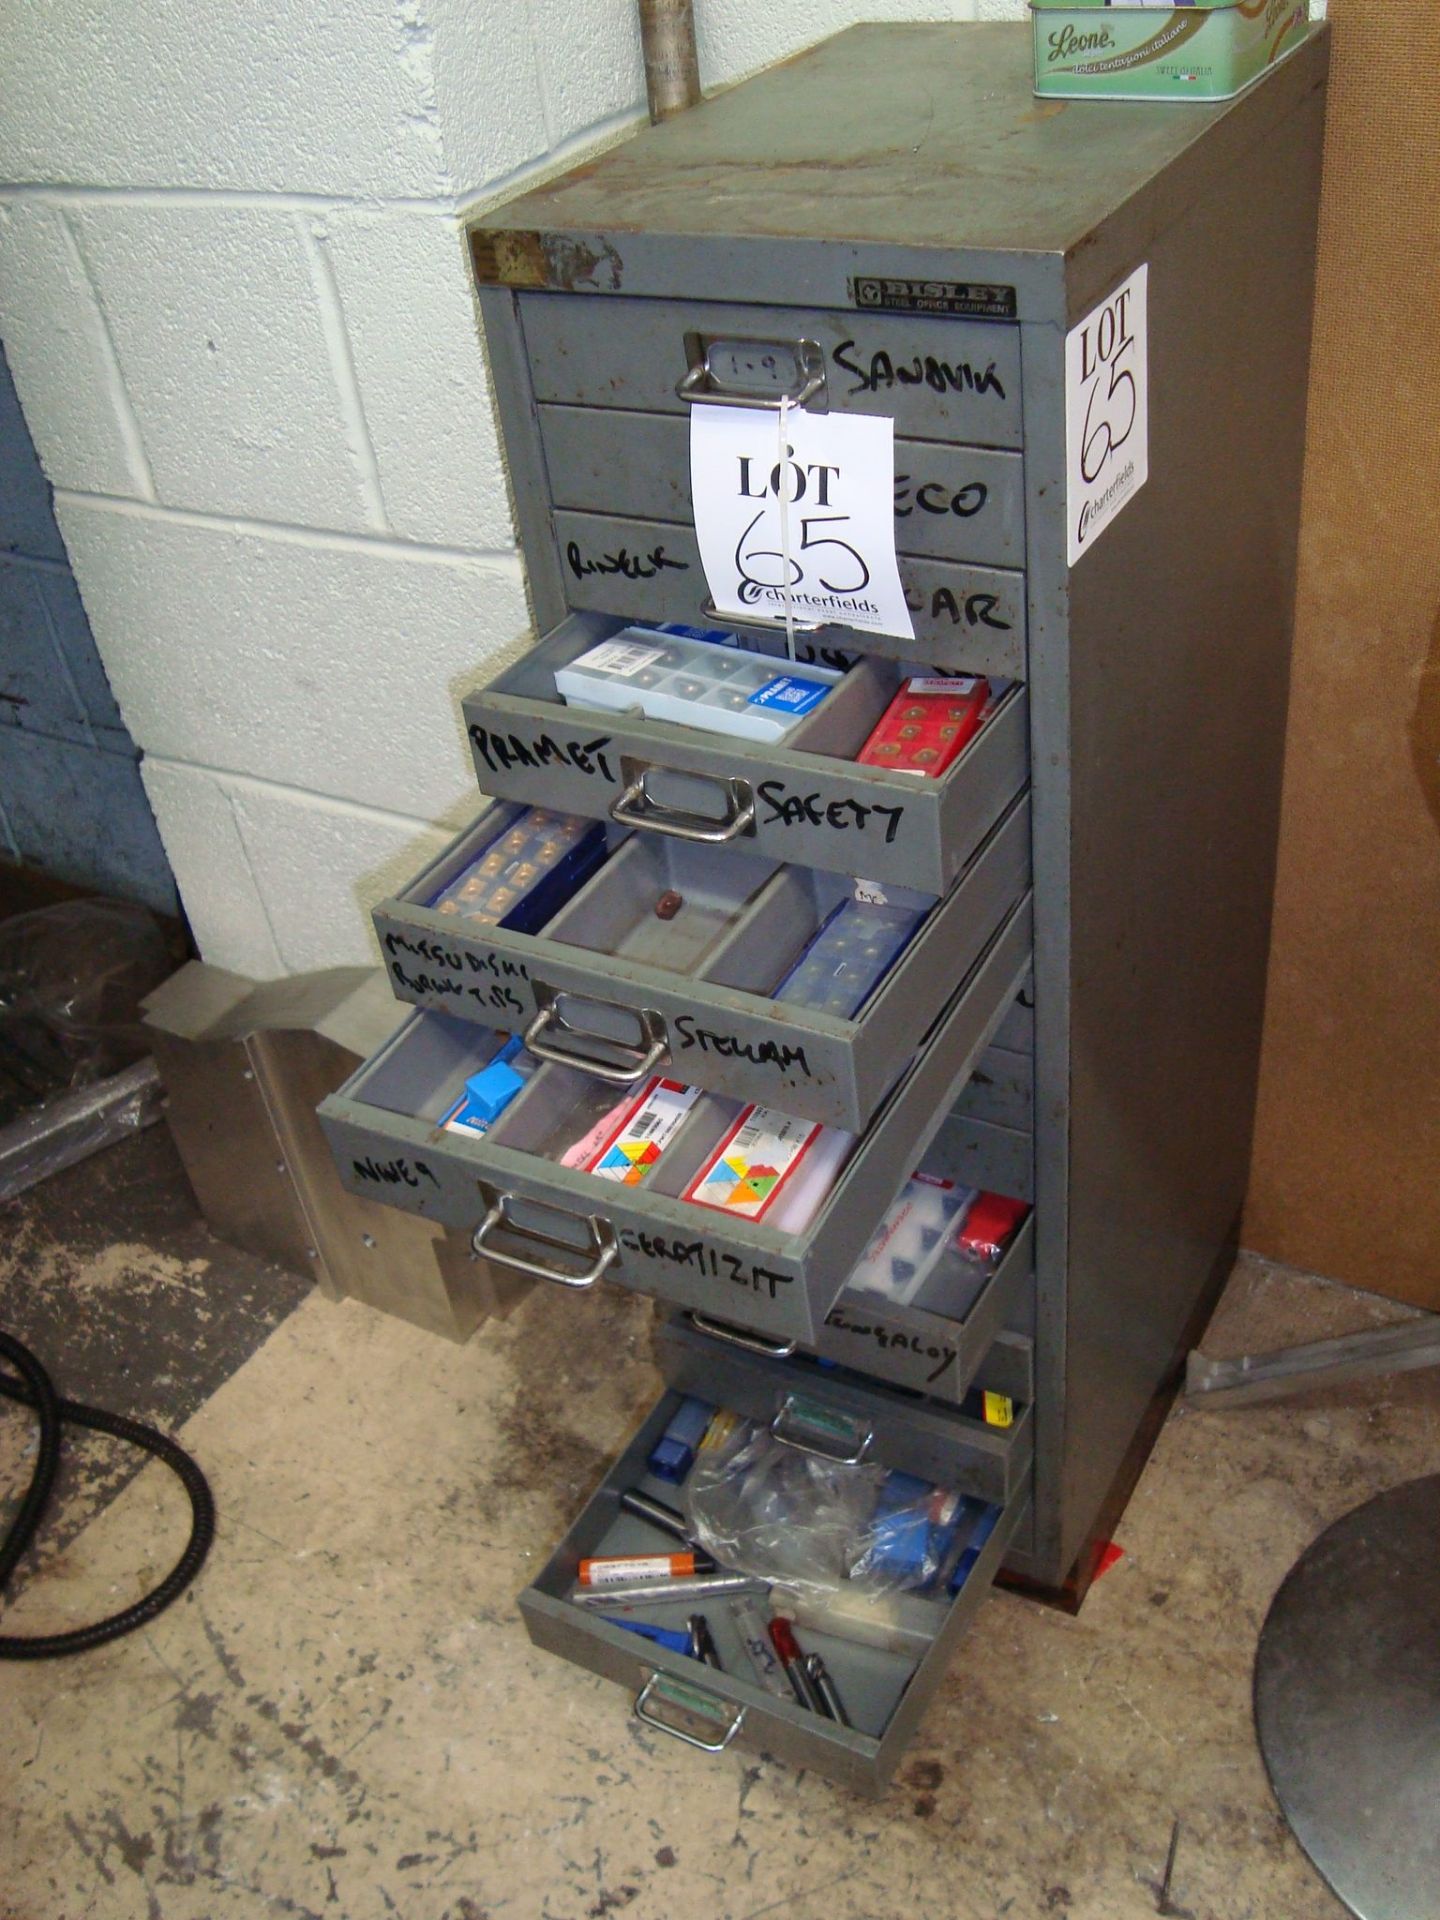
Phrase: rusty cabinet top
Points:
(909, 136)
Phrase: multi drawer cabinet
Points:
(892, 225)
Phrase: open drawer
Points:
(938, 1345)
(845, 1418)
(804, 801)
(561, 1223)
(668, 955)
(883, 1689)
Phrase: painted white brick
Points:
(591, 67)
(321, 866)
(218, 329)
(411, 324)
(487, 87)
(217, 889)
(308, 97)
(60, 357)
(737, 37)
(331, 667)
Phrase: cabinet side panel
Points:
(1179, 661)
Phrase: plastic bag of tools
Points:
(74, 1072)
(813, 1526)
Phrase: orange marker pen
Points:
(609, 1570)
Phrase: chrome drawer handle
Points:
(635, 808)
(738, 1337)
(652, 1025)
(692, 1700)
(602, 1237)
(788, 1425)
(761, 622)
(702, 385)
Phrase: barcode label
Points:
(933, 683)
(768, 1131)
(619, 657)
(643, 1137)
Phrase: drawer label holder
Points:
(882, 293)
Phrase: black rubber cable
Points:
(34, 1389)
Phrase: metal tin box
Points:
(1201, 50)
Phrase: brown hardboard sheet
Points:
(1346, 1173)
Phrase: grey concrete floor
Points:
(344, 1716)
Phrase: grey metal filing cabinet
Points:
(894, 224)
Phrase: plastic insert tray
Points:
(696, 683)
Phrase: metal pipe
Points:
(672, 66)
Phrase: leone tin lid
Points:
(1149, 6)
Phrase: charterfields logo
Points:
(1066, 43)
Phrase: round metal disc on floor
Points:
(1347, 1703)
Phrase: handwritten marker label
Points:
(797, 515)
(1107, 413)
(643, 565)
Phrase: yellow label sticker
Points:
(999, 1410)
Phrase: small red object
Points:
(990, 1223)
(927, 725)
(669, 904)
(1109, 1554)
(786, 1644)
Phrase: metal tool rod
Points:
(645, 1507)
(74, 1125)
(830, 1701)
(672, 66)
(664, 1593)
(1254, 1378)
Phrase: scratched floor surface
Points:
(108, 1273)
(344, 1717)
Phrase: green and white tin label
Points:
(1107, 413)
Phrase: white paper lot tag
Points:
(808, 533)
(1107, 413)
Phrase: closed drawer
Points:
(884, 1689)
(953, 502)
(804, 802)
(1001, 1090)
(561, 1223)
(967, 619)
(1017, 1033)
(611, 988)
(847, 1420)
(977, 1153)
(936, 1346)
(938, 379)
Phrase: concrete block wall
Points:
(233, 297)
(71, 799)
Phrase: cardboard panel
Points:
(1346, 1173)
